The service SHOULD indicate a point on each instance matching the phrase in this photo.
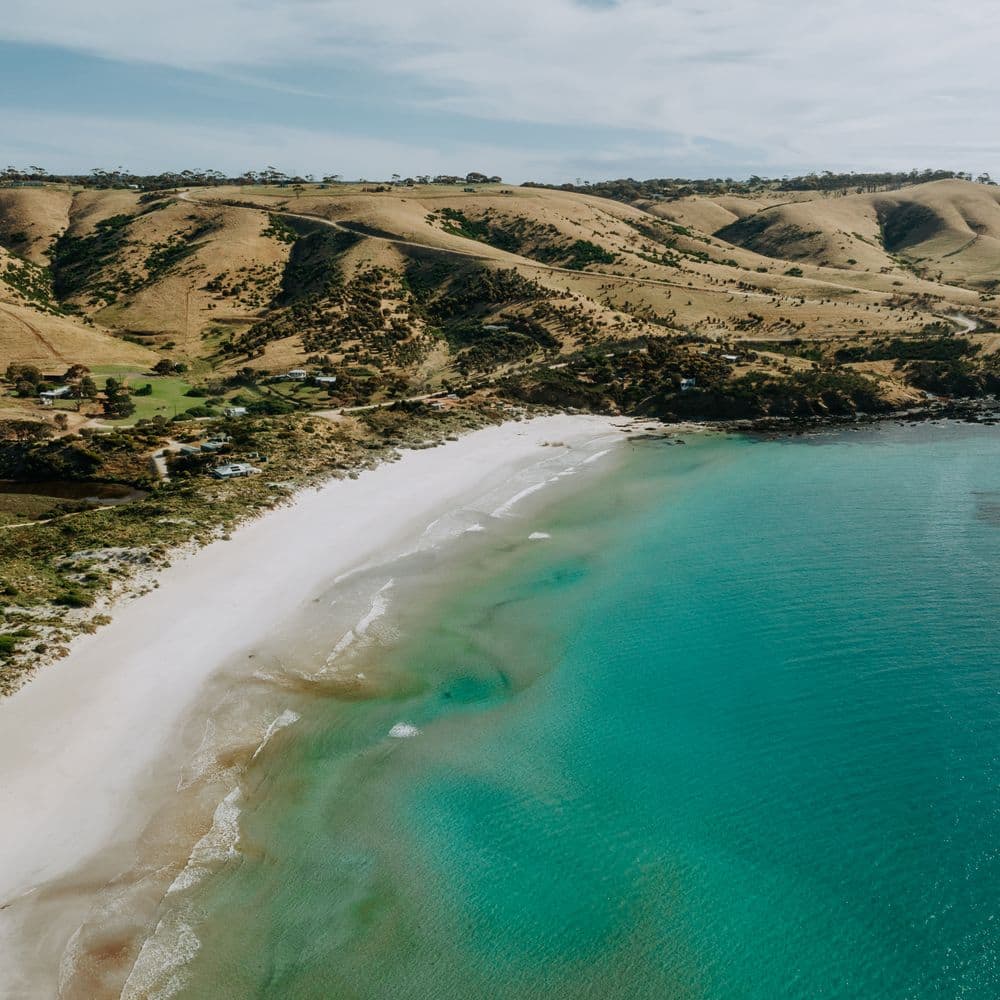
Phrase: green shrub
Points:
(196, 411)
(270, 407)
(75, 597)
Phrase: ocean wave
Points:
(403, 731)
(377, 608)
(219, 844)
(287, 718)
(205, 761)
(506, 506)
(537, 536)
(568, 470)
(159, 970)
(446, 528)
(429, 530)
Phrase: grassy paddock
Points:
(167, 398)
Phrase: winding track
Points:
(496, 257)
(37, 334)
(969, 324)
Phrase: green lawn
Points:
(166, 400)
(168, 396)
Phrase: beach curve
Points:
(77, 741)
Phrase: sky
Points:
(546, 90)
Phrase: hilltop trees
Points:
(119, 177)
(629, 189)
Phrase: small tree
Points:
(117, 403)
(23, 373)
(24, 430)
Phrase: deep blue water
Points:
(731, 732)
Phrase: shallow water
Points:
(723, 724)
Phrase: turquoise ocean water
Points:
(732, 731)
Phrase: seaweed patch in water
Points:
(988, 506)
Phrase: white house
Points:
(688, 383)
(297, 375)
(730, 357)
(235, 411)
(235, 470)
(325, 379)
(57, 393)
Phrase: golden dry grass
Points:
(818, 268)
(44, 340)
(41, 214)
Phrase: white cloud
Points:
(851, 83)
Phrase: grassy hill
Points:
(405, 290)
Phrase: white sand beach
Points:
(77, 742)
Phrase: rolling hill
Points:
(406, 289)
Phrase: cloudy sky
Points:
(548, 90)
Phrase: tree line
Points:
(629, 189)
(121, 177)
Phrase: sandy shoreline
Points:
(77, 742)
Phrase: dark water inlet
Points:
(83, 490)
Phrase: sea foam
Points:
(506, 506)
(287, 718)
(403, 731)
(377, 608)
(158, 972)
